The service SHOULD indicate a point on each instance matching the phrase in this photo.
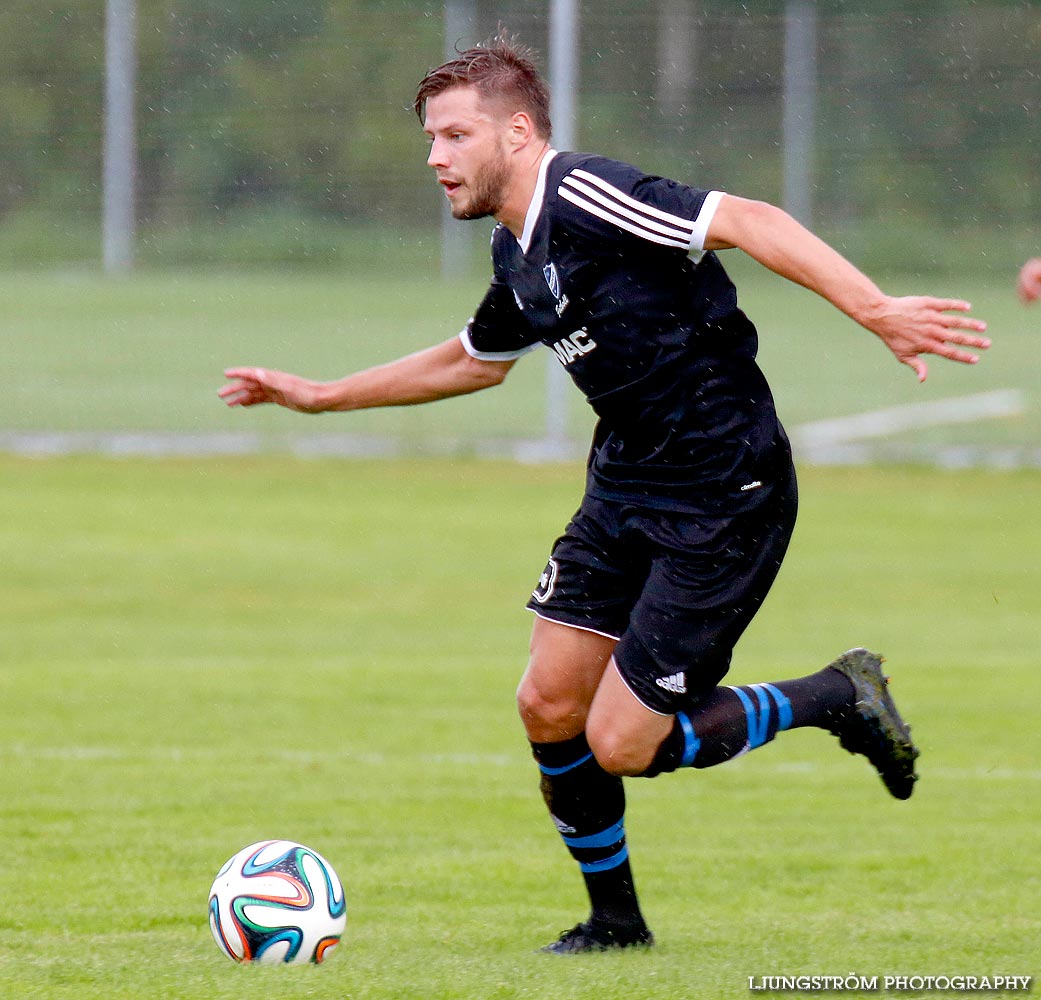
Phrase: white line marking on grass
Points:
(909, 417)
(857, 439)
(89, 754)
(173, 755)
(176, 444)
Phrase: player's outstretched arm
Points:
(910, 326)
(1029, 284)
(435, 373)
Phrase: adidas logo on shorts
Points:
(677, 683)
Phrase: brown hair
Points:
(499, 69)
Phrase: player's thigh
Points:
(582, 605)
(565, 667)
(705, 585)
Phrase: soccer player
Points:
(690, 493)
(1029, 284)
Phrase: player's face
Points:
(468, 151)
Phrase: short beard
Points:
(488, 192)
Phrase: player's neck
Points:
(515, 209)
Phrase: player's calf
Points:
(731, 721)
(849, 698)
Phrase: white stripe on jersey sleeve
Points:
(678, 221)
(464, 336)
(647, 221)
(678, 231)
(602, 213)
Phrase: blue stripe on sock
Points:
(691, 743)
(749, 713)
(602, 839)
(765, 707)
(784, 707)
(608, 863)
(757, 726)
(566, 767)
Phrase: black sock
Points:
(587, 805)
(731, 721)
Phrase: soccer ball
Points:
(277, 901)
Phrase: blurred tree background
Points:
(279, 131)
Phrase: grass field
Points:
(199, 654)
(85, 354)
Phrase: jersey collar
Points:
(535, 205)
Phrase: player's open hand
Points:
(250, 386)
(918, 324)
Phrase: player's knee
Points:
(618, 752)
(549, 716)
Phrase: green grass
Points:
(196, 655)
(82, 353)
(147, 354)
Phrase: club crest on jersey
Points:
(552, 279)
(552, 276)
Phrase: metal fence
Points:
(249, 118)
(160, 133)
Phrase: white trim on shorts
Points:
(606, 635)
(581, 628)
(628, 687)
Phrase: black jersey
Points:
(610, 274)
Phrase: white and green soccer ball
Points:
(277, 902)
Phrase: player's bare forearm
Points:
(435, 373)
(909, 326)
(772, 237)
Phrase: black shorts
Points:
(676, 590)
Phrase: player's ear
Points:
(522, 129)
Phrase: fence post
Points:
(800, 107)
(563, 82)
(120, 153)
(456, 239)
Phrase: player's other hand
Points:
(250, 386)
(916, 325)
(1029, 284)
